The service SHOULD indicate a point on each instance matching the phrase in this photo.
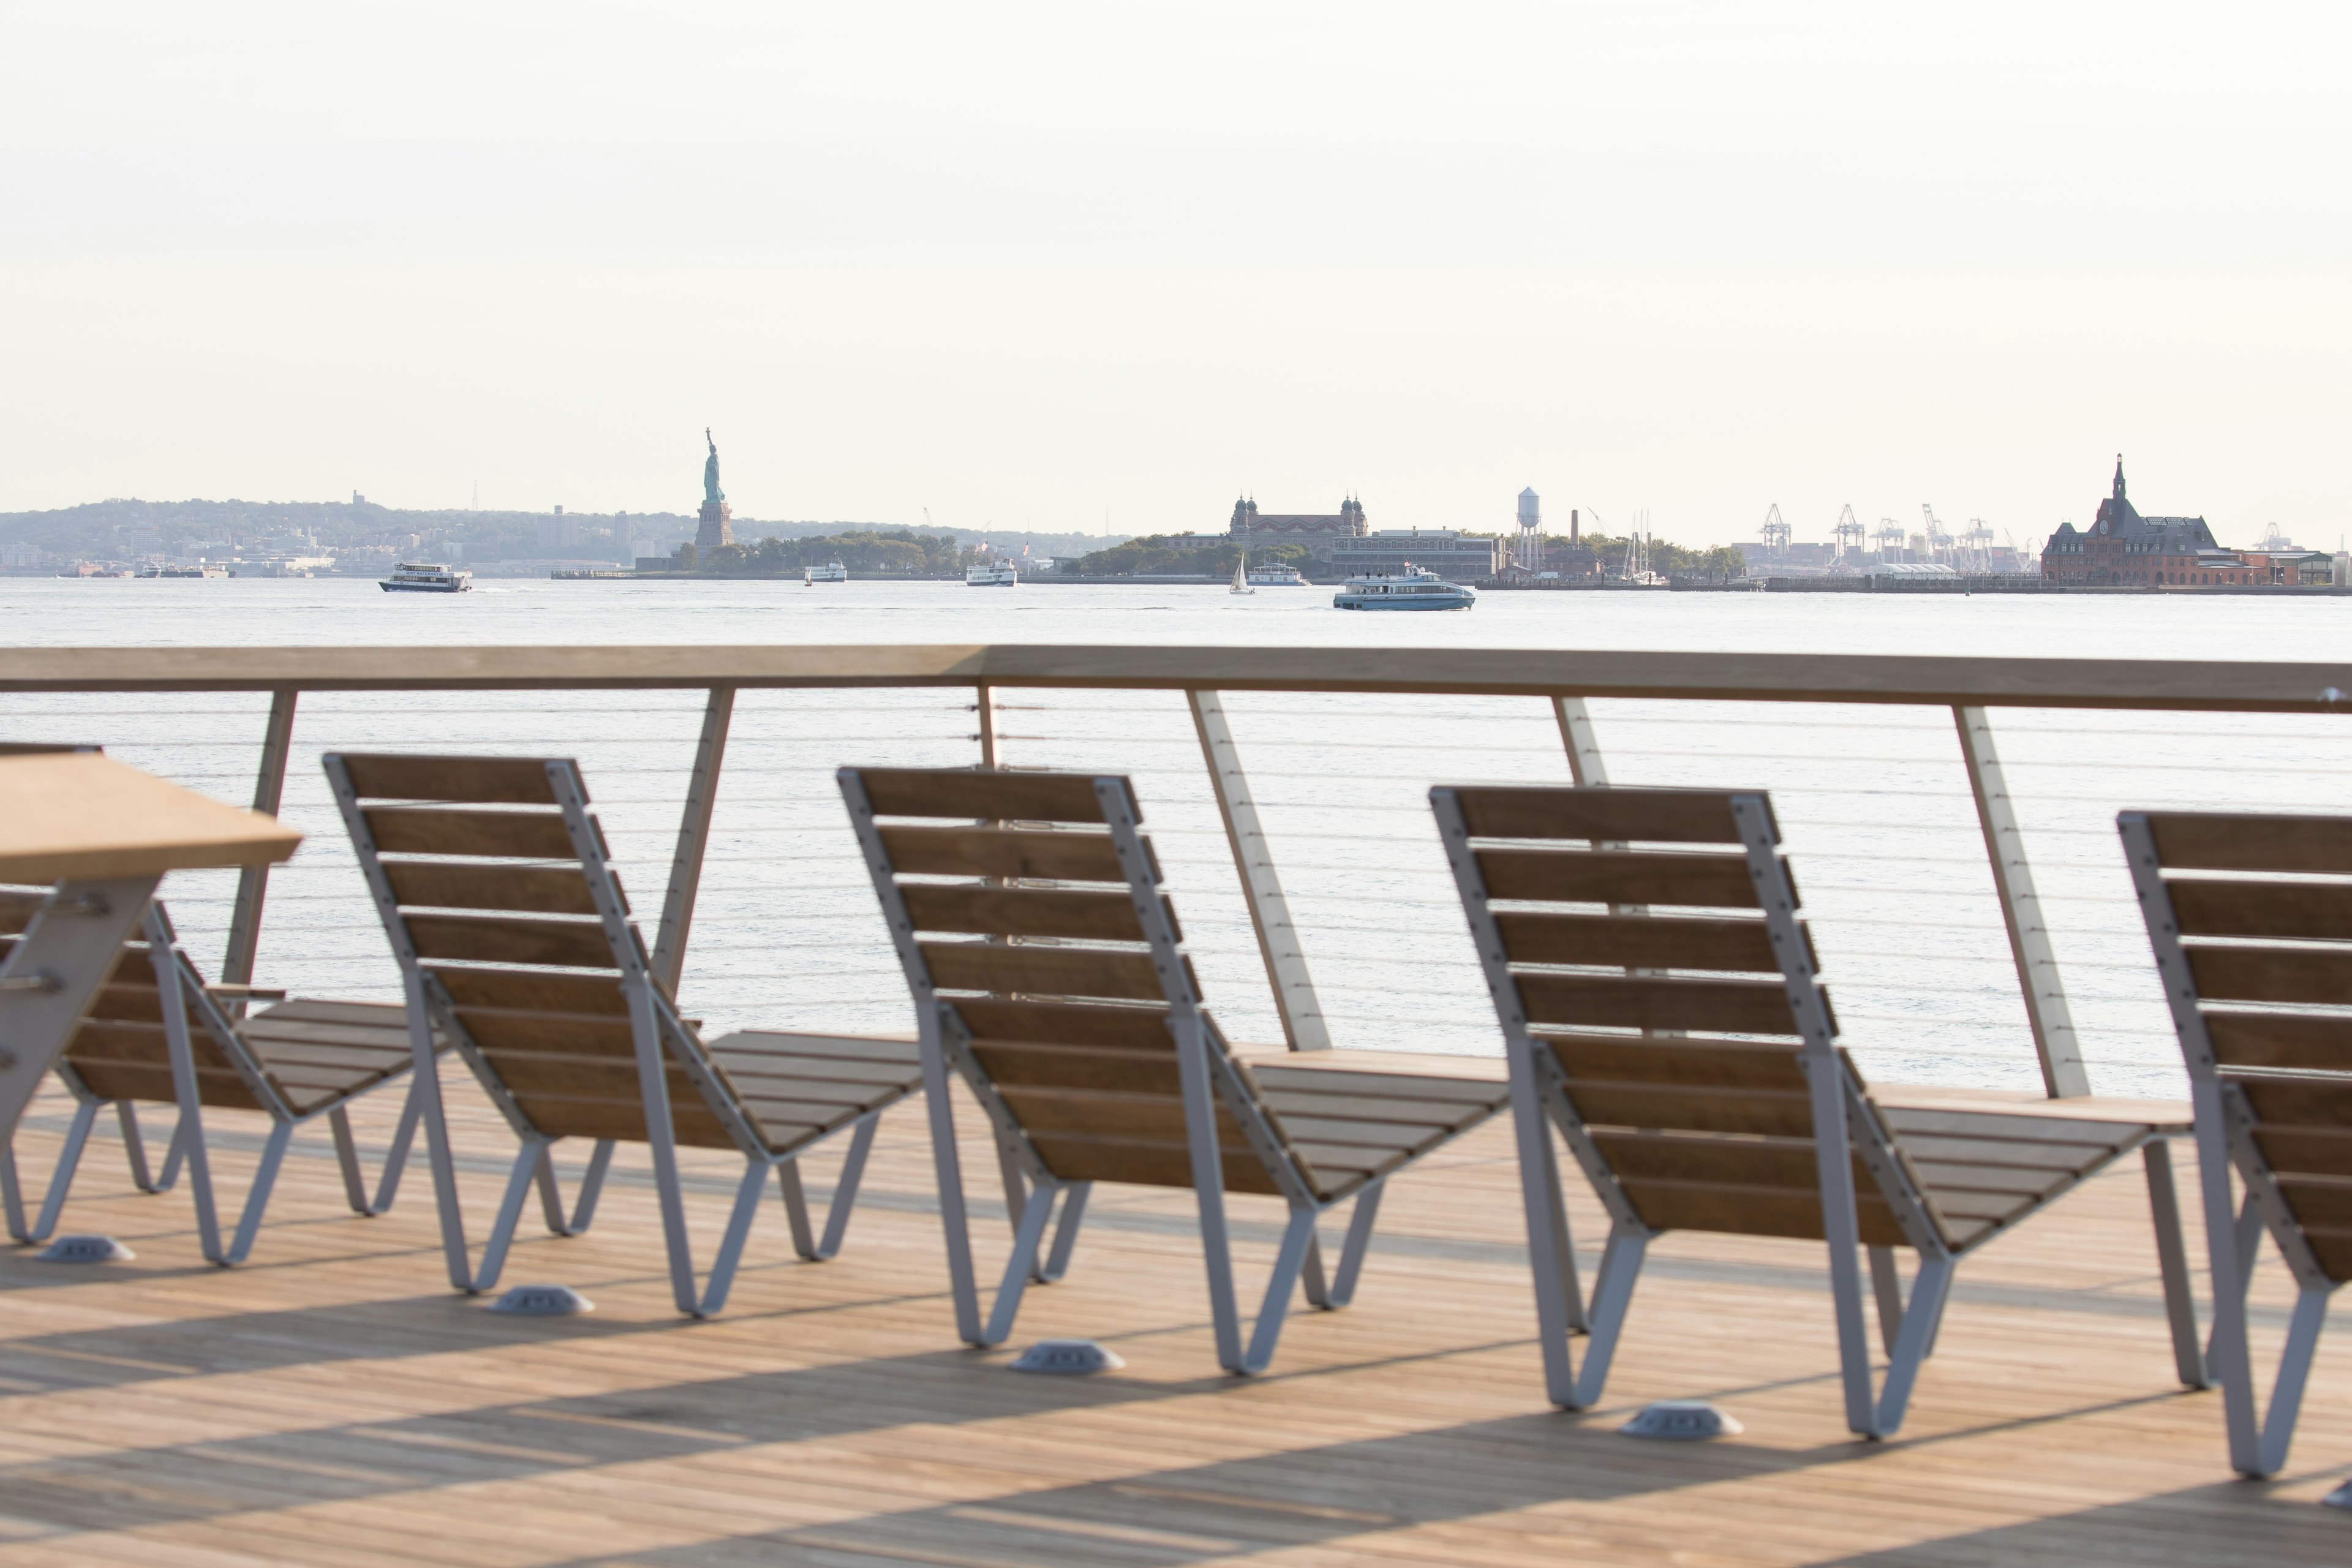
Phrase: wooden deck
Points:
(332, 1404)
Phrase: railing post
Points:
(986, 708)
(253, 883)
(2062, 1071)
(693, 838)
(1584, 763)
(1277, 939)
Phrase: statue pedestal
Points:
(717, 526)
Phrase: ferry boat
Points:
(992, 574)
(1276, 576)
(1414, 588)
(831, 571)
(414, 577)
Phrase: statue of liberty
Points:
(711, 494)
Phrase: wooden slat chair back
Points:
(293, 1061)
(513, 934)
(2250, 920)
(1049, 974)
(1661, 1006)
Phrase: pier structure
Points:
(338, 1406)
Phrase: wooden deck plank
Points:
(332, 1402)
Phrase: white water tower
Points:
(1530, 551)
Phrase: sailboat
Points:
(1241, 576)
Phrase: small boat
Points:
(415, 577)
(1241, 577)
(1276, 576)
(992, 574)
(1414, 588)
(831, 571)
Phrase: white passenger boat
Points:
(412, 577)
(1414, 588)
(992, 574)
(831, 571)
(1276, 576)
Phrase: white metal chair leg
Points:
(551, 1194)
(844, 1187)
(1921, 1318)
(395, 1158)
(1288, 1259)
(257, 1198)
(134, 1150)
(1561, 1311)
(181, 1052)
(424, 1088)
(1886, 1286)
(738, 1231)
(1341, 1289)
(175, 1157)
(954, 1221)
(1066, 1233)
(12, 1194)
(1612, 1294)
(502, 1229)
(347, 1156)
(2172, 1264)
(2294, 1373)
(60, 1184)
(1207, 1161)
(1020, 1265)
(796, 1213)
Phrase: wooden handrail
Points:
(2217, 686)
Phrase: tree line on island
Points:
(1216, 556)
(897, 553)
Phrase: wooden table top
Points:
(79, 814)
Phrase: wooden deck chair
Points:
(2254, 947)
(1076, 1020)
(513, 937)
(295, 1061)
(1690, 1063)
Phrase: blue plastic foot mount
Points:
(1681, 1421)
(543, 1301)
(1067, 1358)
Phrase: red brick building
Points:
(2123, 548)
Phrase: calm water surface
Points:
(1875, 804)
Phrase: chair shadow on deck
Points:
(1328, 1497)
(134, 1487)
(2227, 1522)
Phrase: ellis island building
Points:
(1345, 542)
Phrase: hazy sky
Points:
(1031, 264)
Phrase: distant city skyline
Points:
(1022, 268)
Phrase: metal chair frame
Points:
(1843, 1118)
(1206, 1073)
(656, 1027)
(2233, 1229)
(179, 989)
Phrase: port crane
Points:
(1978, 544)
(1776, 534)
(1848, 533)
(1889, 537)
(1939, 542)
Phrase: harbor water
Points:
(1872, 800)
